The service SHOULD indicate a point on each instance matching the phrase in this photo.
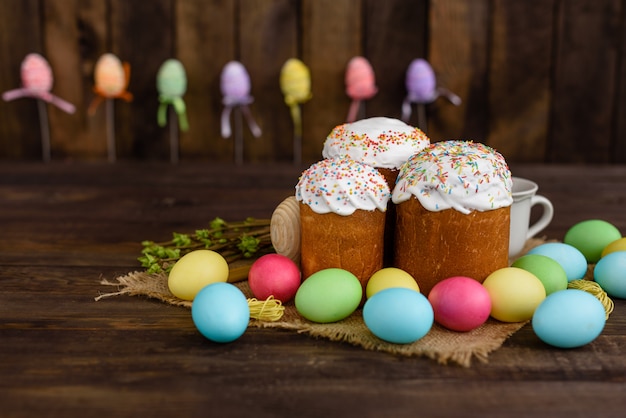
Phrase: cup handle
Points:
(546, 216)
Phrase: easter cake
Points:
(342, 216)
(383, 143)
(453, 211)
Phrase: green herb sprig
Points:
(233, 240)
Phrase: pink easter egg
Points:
(460, 303)
(360, 79)
(421, 81)
(36, 73)
(234, 80)
(109, 75)
(274, 275)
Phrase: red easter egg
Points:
(460, 303)
(274, 275)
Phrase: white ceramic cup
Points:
(524, 198)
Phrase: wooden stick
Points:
(421, 117)
(45, 129)
(110, 122)
(173, 121)
(238, 135)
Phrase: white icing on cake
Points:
(342, 186)
(462, 175)
(380, 142)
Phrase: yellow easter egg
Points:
(387, 278)
(515, 294)
(614, 246)
(195, 270)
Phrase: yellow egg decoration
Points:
(515, 294)
(617, 245)
(390, 277)
(195, 270)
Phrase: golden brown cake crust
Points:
(432, 246)
(353, 243)
(390, 176)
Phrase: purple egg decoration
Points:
(235, 82)
(421, 83)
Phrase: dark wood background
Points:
(541, 80)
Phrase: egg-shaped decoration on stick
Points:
(172, 84)
(236, 87)
(111, 78)
(422, 89)
(37, 81)
(360, 84)
(295, 84)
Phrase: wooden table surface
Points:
(66, 226)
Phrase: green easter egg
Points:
(329, 295)
(547, 270)
(590, 237)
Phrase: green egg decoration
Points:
(590, 237)
(172, 85)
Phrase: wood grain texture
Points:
(458, 52)
(135, 29)
(391, 51)
(540, 80)
(66, 226)
(20, 34)
(331, 36)
(521, 48)
(584, 81)
(206, 36)
(268, 33)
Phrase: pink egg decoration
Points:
(274, 275)
(36, 73)
(421, 83)
(360, 79)
(460, 303)
(37, 80)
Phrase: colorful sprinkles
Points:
(342, 185)
(379, 142)
(460, 174)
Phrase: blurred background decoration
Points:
(540, 80)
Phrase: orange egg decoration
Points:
(111, 78)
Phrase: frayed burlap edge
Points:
(440, 344)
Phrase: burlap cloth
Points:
(440, 344)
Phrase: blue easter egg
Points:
(610, 274)
(220, 312)
(398, 315)
(569, 318)
(569, 257)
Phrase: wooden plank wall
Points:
(541, 80)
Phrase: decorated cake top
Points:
(380, 142)
(341, 186)
(462, 175)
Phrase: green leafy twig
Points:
(233, 240)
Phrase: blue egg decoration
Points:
(569, 257)
(221, 313)
(610, 274)
(569, 318)
(398, 315)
